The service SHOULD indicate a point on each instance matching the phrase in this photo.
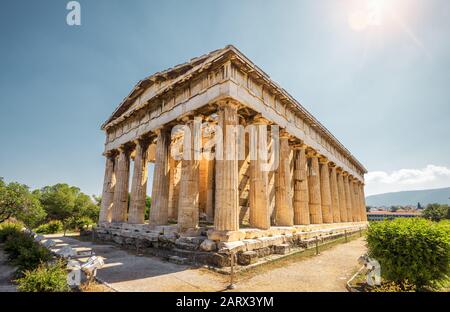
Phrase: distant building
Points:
(388, 215)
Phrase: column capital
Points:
(284, 134)
(111, 153)
(299, 146)
(323, 160)
(259, 120)
(311, 153)
(125, 148)
(228, 102)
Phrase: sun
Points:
(370, 14)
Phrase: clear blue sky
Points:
(379, 84)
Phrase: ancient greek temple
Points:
(316, 183)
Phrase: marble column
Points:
(109, 184)
(259, 194)
(335, 209)
(284, 210)
(159, 209)
(301, 195)
(342, 202)
(188, 202)
(315, 200)
(325, 192)
(363, 203)
(120, 199)
(174, 186)
(226, 217)
(357, 202)
(210, 190)
(352, 198)
(348, 198)
(136, 214)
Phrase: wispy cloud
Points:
(407, 179)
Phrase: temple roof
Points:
(185, 71)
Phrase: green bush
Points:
(45, 278)
(30, 258)
(15, 243)
(414, 250)
(51, 227)
(83, 222)
(24, 252)
(8, 229)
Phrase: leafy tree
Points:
(436, 212)
(148, 203)
(393, 208)
(67, 204)
(17, 202)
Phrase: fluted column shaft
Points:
(315, 199)
(301, 193)
(138, 194)
(226, 217)
(342, 201)
(363, 203)
(357, 201)
(188, 207)
(348, 199)
(284, 210)
(258, 195)
(120, 200)
(335, 209)
(159, 210)
(325, 192)
(109, 184)
(353, 205)
(173, 188)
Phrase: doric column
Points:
(259, 194)
(363, 203)
(342, 202)
(315, 200)
(174, 186)
(210, 190)
(188, 207)
(109, 184)
(301, 195)
(136, 214)
(284, 211)
(226, 217)
(325, 193)
(159, 209)
(348, 198)
(357, 201)
(353, 206)
(335, 209)
(120, 199)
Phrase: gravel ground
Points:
(6, 272)
(125, 271)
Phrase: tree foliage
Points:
(412, 250)
(67, 204)
(436, 212)
(17, 202)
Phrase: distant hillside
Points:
(424, 197)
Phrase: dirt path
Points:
(327, 272)
(6, 272)
(125, 271)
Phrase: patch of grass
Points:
(292, 258)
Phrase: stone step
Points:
(178, 260)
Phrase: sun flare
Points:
(370, 14)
